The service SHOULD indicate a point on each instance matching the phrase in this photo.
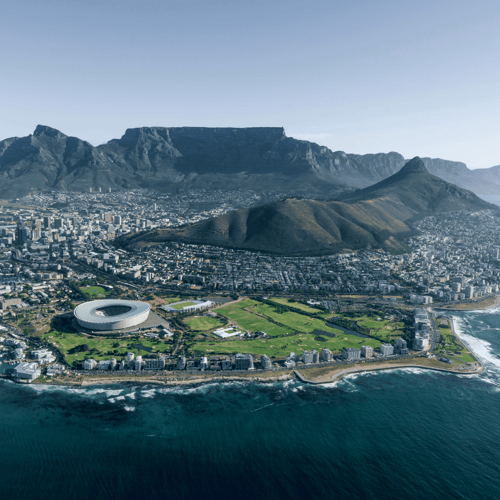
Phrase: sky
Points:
(420, 78)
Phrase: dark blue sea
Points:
(404, 434)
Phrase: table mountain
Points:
(196, 157)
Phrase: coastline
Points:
(306, 375)
(336, 376)
(473, 307)
(166, 381)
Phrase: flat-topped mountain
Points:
(375, 217)
(194, 157)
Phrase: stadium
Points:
(109, 315)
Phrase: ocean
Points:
(404, 434)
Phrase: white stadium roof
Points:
(109, 314)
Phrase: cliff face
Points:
(195, 157)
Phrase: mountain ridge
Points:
(374, 217)
(201, 157)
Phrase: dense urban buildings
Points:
(48, 242)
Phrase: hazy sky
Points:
(421, 78)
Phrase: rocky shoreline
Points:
(342, 373)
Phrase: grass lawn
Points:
(296, 305)
(295, 322)
(253, 316)
(100, 348)
(170, 300)
(249, 321)
(460, 353)
(282, 346)
(384, 330)
(182, 305)
(203, 323)
(324, 373)
(94, 292)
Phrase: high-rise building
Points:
(130, 359)
(181, 363)
(243, 362)
(310, 357)
(22, 234)
(154, 364)
(89, 364)
(58, 223)
(326, 355)
(203, 363)
(265, 362)
(350, 353)
(366, 351)
(387, 349)
(138, 363)
(401, 346)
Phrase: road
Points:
(434, 328)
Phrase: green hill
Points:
(375, 217)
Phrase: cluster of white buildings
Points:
(241, 362)
(31, 363)
(423, 331)
(225, 333)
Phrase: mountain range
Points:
(375, 217)
(209, 158)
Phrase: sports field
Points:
(282, 346)
(202, 323)
(182, 305)
(94, 292)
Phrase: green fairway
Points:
(203, 323)
(249, 321)
(296, 305)
(253, 316)
(94, 292)
(384, 330)
(182, 305)
(100, 348)
(293, 321)
(282, 346)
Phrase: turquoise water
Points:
(404, 434)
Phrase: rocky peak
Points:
(414, 166)
(45, 131)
